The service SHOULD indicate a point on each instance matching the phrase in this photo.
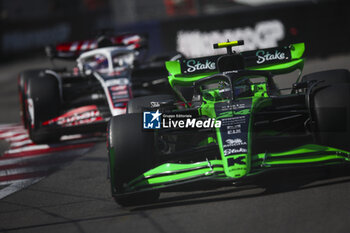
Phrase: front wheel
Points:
(22, 84)
(43, 104)
(331, 113)
(131, 153)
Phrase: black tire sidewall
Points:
(133, 155)
(22, 83)
(331, 112)
(44, 93)
(133, 146)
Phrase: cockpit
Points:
(106, 61)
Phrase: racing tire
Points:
(137, 105)
(22, 83)
(131, 153)
(331, 114)
(329, 77)
(43, 101)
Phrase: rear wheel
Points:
(131, 153)
(43, 104)
(331, 113)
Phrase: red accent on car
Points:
(82, 115)
(64, 47)
(85, 45)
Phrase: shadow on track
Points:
(267, 184)
(76, 222)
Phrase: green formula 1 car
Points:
(228, 120)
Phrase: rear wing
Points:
(277, 60)
(72, 50)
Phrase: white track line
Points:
(17, 185)
(12, 133)
(21, 143)
(28, 148)
(17, 138)
(62, 154)
(10, 126)
(24, 170)
(18, 160)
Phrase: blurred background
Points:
(188, 26)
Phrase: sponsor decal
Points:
(266, 56)
(234, 130)
(120, 105)
(234, 126)
(198, 65)
(194, 65)
(235, 151)
(79, 116)
(79, 119)
(264, 34)
(234, 142)
(121, 93)
(118, 88)
(118, 81)
(238, 160)
(118, 93)
(155, 104)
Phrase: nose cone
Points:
(236, 166)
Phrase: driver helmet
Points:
(100, 63)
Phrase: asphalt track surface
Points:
(77, 199)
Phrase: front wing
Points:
(168, 175)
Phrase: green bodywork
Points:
(169, 174)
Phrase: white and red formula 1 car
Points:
(109, 71)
